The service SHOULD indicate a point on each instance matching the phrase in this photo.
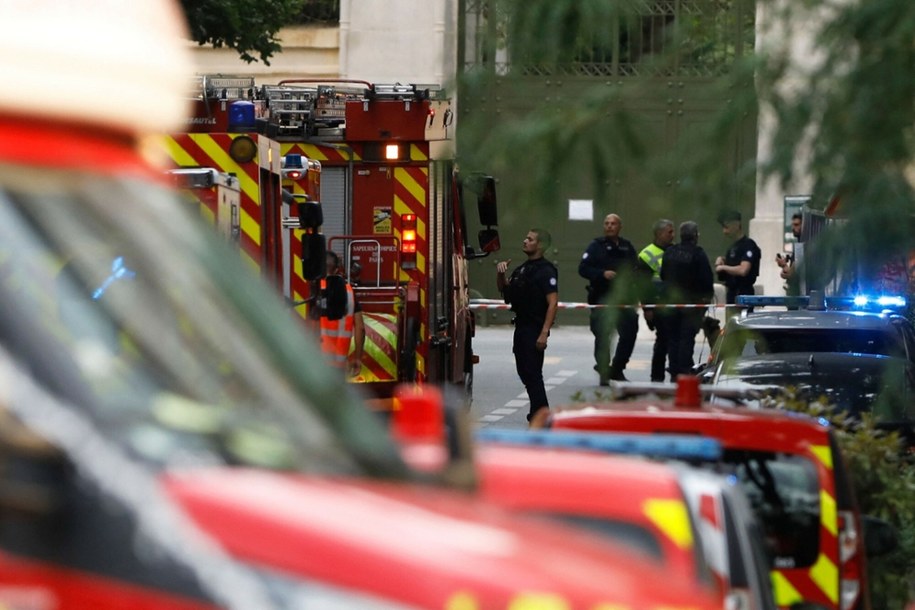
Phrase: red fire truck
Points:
(364, 170)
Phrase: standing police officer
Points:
(739, 267)
(532, 291)
(605, 261)
(687, 277)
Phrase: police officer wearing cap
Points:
(739, 267)
(532, 291)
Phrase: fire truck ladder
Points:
(225, 87)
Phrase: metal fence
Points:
(699, 38)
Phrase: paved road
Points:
(500, 399)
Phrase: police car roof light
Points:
(671, 446)
(861, 302)
(747, 300)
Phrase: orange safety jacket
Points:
(336, 335)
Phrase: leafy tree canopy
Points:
(247, 26)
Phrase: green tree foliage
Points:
(850, 119)
(883, 476)
(247, 26)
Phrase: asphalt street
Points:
(499, 397)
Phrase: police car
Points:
(856, 353)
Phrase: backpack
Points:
(334, 299)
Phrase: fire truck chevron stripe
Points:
(823, 453)
(825, 574)
(417, 153)
(379, 358)
(672, 518)
(785, 593)
(410, 181)
(319, 153)
(828, 515)
(206, 150)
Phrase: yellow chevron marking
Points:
(417, 154)
(224, 162)
(417, 190)
(383, 328)
(538, 601)
(672, 518)
(462, 600)
(178, 154)
(826, 575)
(828, 513)
(207, 214)
(785, 593)
(823, 453)
(250, 262)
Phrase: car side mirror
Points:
(486, 202)
(489, 240)
(880, 537)
(314, 256)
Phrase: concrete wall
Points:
(385, 41)
(308, 52)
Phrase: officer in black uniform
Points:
(605, 260)
(739, 267)
(687, 277)
(532, 291)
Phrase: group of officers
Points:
(672, 283)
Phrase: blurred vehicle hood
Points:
(414, 544)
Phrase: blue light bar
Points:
(671, 446)
(749, 300)
(863, 302)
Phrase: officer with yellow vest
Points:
(649, 265)
(341, 319)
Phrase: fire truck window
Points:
(784, 492)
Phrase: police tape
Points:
(499, 304)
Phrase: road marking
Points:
(503, 411)
(511, 407)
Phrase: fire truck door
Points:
(373, 214)
(334, 197)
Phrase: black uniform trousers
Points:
(659, 352)
(604, 321)
(529, 364)
(682, 327)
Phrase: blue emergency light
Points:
(670, 446)
(859, 302)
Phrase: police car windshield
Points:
(753, 342)
(132, 311)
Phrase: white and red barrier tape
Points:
(499, 304)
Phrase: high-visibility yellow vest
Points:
(652, 255)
